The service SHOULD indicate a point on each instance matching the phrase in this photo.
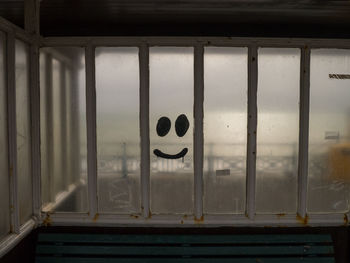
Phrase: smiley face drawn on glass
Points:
(163, 127)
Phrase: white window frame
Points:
(250, 218)
(31, 37)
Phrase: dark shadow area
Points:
(24, 251)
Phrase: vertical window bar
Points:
(91, 129)
(49, 119)
(303, 130)
(63, 120)
(12, 131)
(198, 131)
(252, 126)
(35, 118)
(144, 130)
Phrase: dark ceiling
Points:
(285, 18)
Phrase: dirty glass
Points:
(118, 133)
(278, 130)
(4, 173)
(63, 129)
(171, 129)
(329, 134)
(24, 167)
(225, 129)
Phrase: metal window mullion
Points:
(198, 131)
(12, 131)
(35, 129)
(303, 130)
(252, 127)
(91, 129)
(63, 126)
(49, 143)
(144, 130)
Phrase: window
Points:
(215, 132)
(24, 165)
(63, 130)
(329, 133)
(4, 178)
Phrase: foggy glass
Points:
(118, 133)
(329, 133)
(225, 129)
(278, 130)
(63, 130)
(4, 172)
(171, 95)
(24, 167)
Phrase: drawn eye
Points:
(163, 126)
(181, 125)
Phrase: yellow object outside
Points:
(339, 161)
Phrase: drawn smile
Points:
(181, 154)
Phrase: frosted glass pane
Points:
(171, 129)
(329, 134)
(4, 175)
(225, 129)
(24, 167)
(63, 130)
(278, 130)
(118, 133)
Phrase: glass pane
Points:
(4, 175)
(171, 129)
(63, 129)
(24, 171)
(329, 134)
(225, 129)
(118, 133)
(278, 130)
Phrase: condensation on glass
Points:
(225, 129)
(278, 130)
(24, 167)
(4, 172)
(171, 97)
(118, 133)
(63, 129)
(329, 133)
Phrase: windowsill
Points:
(11, 240)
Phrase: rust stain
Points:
(185, 216)
(182, 222)
(96, 217)
(199, 220)
(346, 219)
(134, 216)
(303, 220)
(149, 214)
(47, 221)
(280, 215)
(11, 170)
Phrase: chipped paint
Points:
(96, 217)
(199, 220)
(303, 220)
(149, 214)
(346, 219)
(280, 215)
(47, 221)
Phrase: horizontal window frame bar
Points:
(219, 220)
(19, 33)
(192, 41)
(11, 240)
